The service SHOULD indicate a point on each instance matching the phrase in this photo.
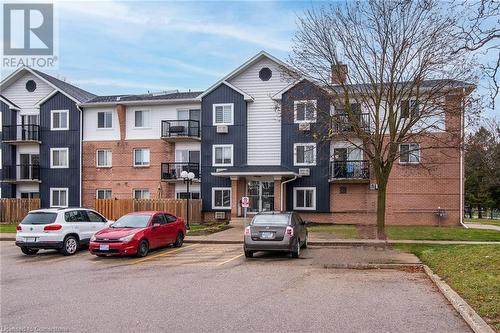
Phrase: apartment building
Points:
(136, 146)
(40, 138)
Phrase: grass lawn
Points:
(336, 230)
(473, 271)
(206, 229)
(441, 233)
(484, 221)
(8, 228)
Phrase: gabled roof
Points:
(76, 94)
(175, 96)
(244, 66)
(9, 102)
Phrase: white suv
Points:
(63, 229)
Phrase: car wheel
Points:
(142, 249)
(179, 240)
(304, 246)
(249, 254)
(29, 252)
(296, 252)
(70, 246)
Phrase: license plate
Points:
(267, 235)
(30, 239)
(104, 247)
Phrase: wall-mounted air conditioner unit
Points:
(304, 127)
(222, 129)
(220, 215)
(373, 186)
(304, 171)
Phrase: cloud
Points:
(123, 83)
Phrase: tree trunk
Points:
(479, 212)
(381, 201)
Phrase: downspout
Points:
(282, 189)
(81, 152)
(462, 141)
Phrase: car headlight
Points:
(93, 238)
(126, 238)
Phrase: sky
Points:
(132, 47)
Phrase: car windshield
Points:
(39, 218)
(270, 219)
(132, 221)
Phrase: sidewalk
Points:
(482, 226)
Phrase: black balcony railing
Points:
(21, 172)
(21, 133)
(342, 123)
(172, 171)
(349, 170)
(180, 128)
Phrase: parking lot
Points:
(209, 288)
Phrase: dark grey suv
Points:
(275, 232)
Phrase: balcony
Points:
(342, 124)
(19, 134)
(180, 130)
(21, 173)
(172, 171)
(349, 171)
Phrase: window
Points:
(409, 108)
(222, 155)
(141, 119)
(223, 114)
(94, 217)
(59, 120)
(304, 111)
(221, 198)
(104, 158)
(58, 197)
(75, 216)
(103, 193)
(141, 157)
(142, 194)
(304, 154)
(159, 219)
(409, 153)
(30, 195)
(105, 119)
(59, 158)
(185, 195)
(304, 198)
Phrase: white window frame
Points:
(149, 119)
(295, 189)
(97, 158)
(103, 189)
(214, 189)
(112, 122)
(222, 164)
(141, 165)
(309, 144)
(410, 152)
(305, 121)
(215, 123)
(52, 128)
(142, 191)
(53, 189)
(52, 166)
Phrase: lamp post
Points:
(188, 179)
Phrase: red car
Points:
(137, 233)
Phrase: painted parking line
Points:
(163, 254)
(233, 258)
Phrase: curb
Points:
(476, 323)
(406, 267)
(351, 242)
(7, 239)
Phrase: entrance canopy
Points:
(256, 170)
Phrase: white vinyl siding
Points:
(104, 158)
(263, 120)
(18, 94)
(141, 157)
(59, 120)
(304, 154)
(59, 197)
(223, 114)
(221, 198)
(304, 198)
(104, 193)
(409, 153)
(59, 158)
(222, 155)
(304, 111)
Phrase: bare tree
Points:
(394, 74)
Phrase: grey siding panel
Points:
(70, 177)
(8, 151)
(290, 134)
(237, 135)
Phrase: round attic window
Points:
(265, 74)
(31, 85)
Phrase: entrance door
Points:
(261, 195)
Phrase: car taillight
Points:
(18, 228)
(248, 232)
(52, 227)
(289, 231)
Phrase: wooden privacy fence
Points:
(14, 210)
(113, 209)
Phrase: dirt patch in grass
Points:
(207, 228)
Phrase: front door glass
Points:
(261, 196)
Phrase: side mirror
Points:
(156, 225)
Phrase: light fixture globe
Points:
(184, 174)
(190, 175)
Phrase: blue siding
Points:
(60, 139)
(290, 134)
(8, 151)
(237, 135)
